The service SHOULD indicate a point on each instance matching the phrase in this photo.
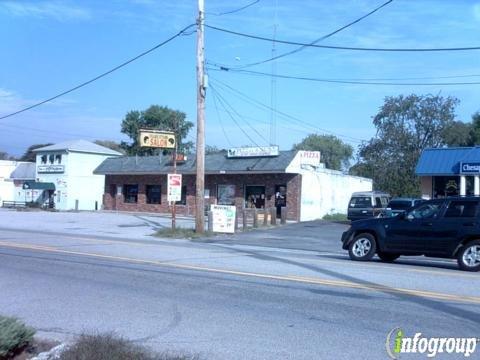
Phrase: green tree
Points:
(159, 118)
(334, 152)
(475, 129)
(111, 145)
(405, 126)
(29, 155)
(5, 156)
(459, 133)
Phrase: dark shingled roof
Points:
(217, 163)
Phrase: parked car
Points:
(443, 228)
(367, 204)
(399, 205)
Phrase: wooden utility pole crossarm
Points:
(200, 160)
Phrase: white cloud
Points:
(46, 9)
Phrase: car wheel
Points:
(387, 257)
(469, 256)
(362, 248)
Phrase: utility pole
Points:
(200, 181)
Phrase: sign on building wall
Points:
(50, 169)
(253, 151)
(156, 139)
(223, 218)
(470, 168)
(174, 187)
(309, 157)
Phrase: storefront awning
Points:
(34, 185)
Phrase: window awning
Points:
(29, 185)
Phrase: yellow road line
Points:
(300, 279)
(375, 265)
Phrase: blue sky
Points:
(50, 46)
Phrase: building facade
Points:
(284, 180)
(64, 175)
(449, 172)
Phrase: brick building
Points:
(140, 184)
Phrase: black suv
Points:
(444, 228)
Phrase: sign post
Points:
(166, 140)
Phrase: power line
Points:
(240, 116)
(236, 10)
(317, 40)
(181, 32)
(231, 116)
(258, 73)
(332, 47)
(285, 115)
(221, 122)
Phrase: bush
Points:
(110, 346)
(14, 336)
(335, 217)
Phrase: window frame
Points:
(126, 193)
(148, 189)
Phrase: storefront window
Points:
(130, 193)
(51, 158)
(44, 159)
(226, 194)
(255, 196)
(154, 194)
(58, 159)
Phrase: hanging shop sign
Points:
(223, 218)
(174, 187)
(309, 157)
(156, 139)
(254, 151)
(470, 168)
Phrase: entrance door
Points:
(280, 197)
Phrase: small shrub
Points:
(335, 217)
(110, 346)
(14, 336)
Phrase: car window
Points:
(461, 209)
(425, 211)
(399, 204)
(384, 201)
(378, 202)
(361, 202)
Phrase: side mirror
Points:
(410, 217)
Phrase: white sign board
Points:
(174, 187)
(309, 157)
(253, 151)
(223, 218)
(49, 169)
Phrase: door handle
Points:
(427, 224)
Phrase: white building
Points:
(6, 185)
(325, 191)
(64, 174)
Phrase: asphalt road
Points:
(231, 300)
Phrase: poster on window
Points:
(174, 188)
(223, 218)
(226, 194)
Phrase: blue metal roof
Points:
(445, 161)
